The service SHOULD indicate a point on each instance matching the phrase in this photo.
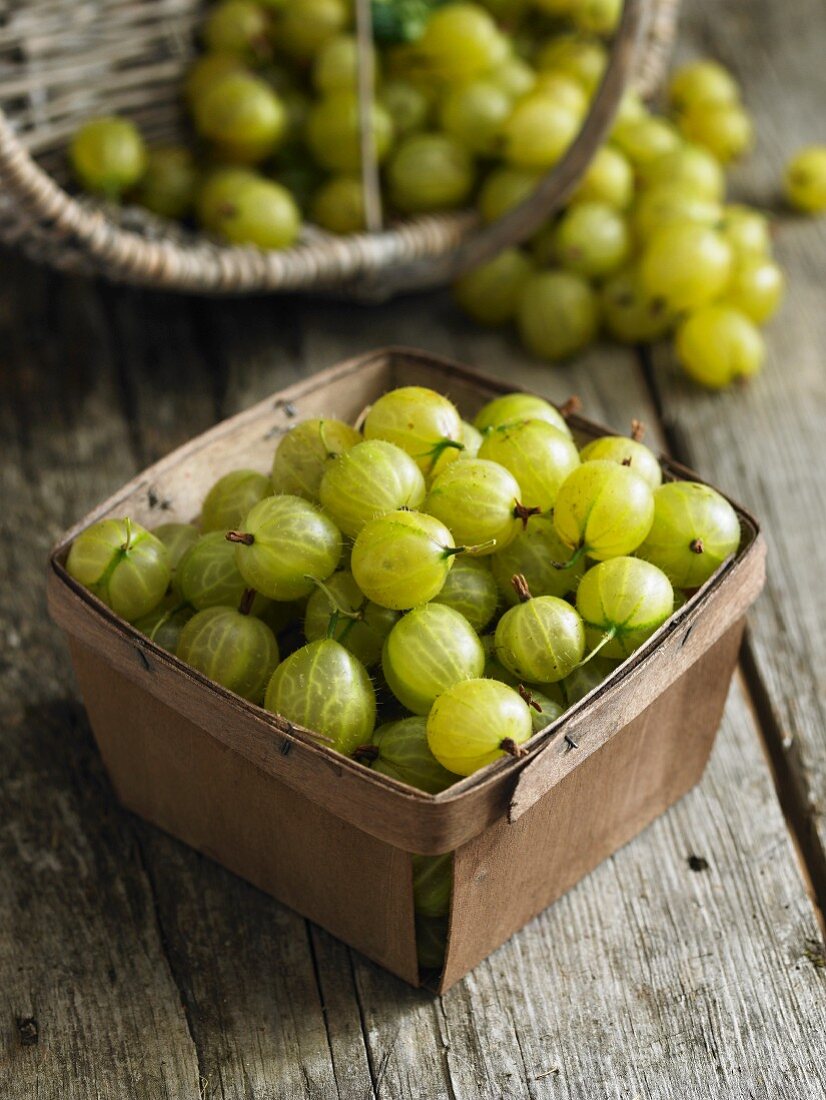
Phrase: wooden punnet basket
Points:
(326, 835)
(62, 62)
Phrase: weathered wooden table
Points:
(689, 965)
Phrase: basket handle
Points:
(552, 190)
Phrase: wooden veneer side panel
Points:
(214, 799)
(511, 872)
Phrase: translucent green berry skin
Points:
(558, 315)
(163, 626)
(291, 541)
(686, 265)
(490, 293)
(468, 723)
(325, 689)
(429, 172)
(477, 501)
(538, 455)
(426, 652)
(306, 451)
(258, 212)
(420, 421)
(532, 554)
(169, 184)
(805, 180)
(432, 884)
(540, 641)
(108, 155)
(242, 116)
(694, 530)
(543, 708)
(511, 408)
(471, 590)
(626, 597)
(363, 637)
(404, 755)
(369, 480)
(401, 559)
(177, 538)
(495, 670)
(237, 651)
(240, 28)
(207, 574)
(626, 452)
(472, 440)
(718, 345)
(582, 680)
(604, 509)
(123, 565)
(231, 497)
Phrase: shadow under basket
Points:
(329, 837)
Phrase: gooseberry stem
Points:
(127, 523)
(344, 612)
(606, 638)
(571, 562)
(637, 430)
(529, 699)
(696, 546)
(439, 448)
(366, 754)
(243, 537)
(571, 406)
(509, 746)
(324, 443)
(167, 615)
(449, 551)
(245, 605)
(519, 583)
(358, 424)
(524, 513)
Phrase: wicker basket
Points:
(64, 60)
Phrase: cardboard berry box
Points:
(326, 835)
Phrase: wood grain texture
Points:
(275, 1010)
(153, 973)
(88, 1004)
(767, 438)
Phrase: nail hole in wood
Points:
(27, 1031)
(158, 502)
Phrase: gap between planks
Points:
(787, 778)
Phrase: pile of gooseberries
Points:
(472, 101)
(430, 624)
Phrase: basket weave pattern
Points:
(62, 61)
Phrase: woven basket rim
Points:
(426, 250)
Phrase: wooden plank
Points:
(648, 980)
(89, 1005)
(246, 969)
(245, 965)
(764, 441)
